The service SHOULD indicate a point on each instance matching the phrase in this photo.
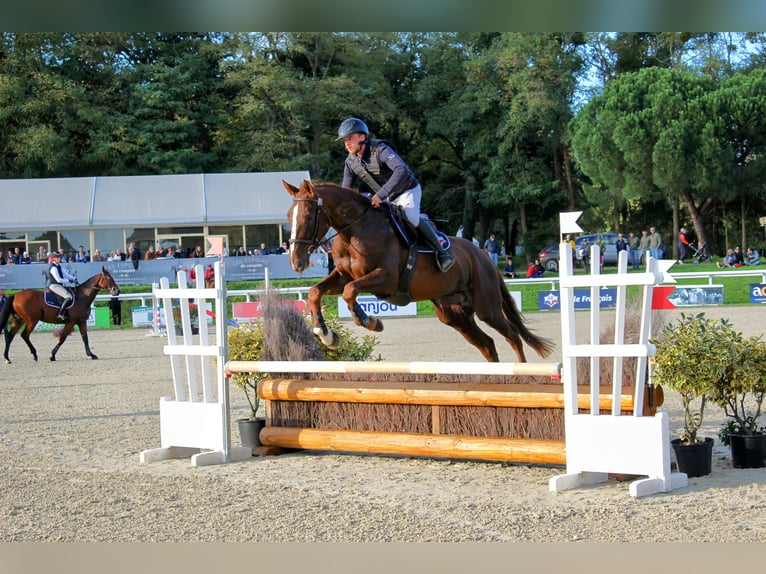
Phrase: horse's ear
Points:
(307, 188)
(291, 189)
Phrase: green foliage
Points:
(741, 397)
(286, 335)
(695, 356)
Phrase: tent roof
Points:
(145, 201)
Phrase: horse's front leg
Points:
(330, 285)
(370, 283)
(65, 331)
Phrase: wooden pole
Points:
(540, 451)
(443, 394)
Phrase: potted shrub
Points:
(741, 399)
(695, 355)
(284, 334)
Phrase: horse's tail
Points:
(541, 345)
(5, 312)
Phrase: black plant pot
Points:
(694, 459)
(747, 450)
(249, 431)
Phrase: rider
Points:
(60, 279)
(375, 164)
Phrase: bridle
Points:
(315, 241)
(99, 284)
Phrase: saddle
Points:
(410, 238)
(53, 300)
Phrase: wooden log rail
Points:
(280, 387)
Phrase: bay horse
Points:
(370, 257)
(28, 307)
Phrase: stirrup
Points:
(445, 265)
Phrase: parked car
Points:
(549, 256)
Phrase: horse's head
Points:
(308, 224)
(105, 281)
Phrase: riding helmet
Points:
(352, 126)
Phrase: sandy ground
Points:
(71, 433)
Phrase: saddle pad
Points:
(53, 300)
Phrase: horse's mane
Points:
(348, 193)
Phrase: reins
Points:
(314, 241)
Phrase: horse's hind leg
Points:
(26, 336)
(462, 320)
(11, 333)
(508, 330)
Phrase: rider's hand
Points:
(375, 201)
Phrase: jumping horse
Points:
(28, 307)
(370, 257)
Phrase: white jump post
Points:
(599, 444)
(195, 422)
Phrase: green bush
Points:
(284, 334)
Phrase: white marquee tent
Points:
(141, 201)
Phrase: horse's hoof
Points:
(7, 361)
(94, 357)
(53, 358)
(377, 325)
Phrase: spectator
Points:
(179, 252)
(572, 243)
(739, 256)
(585, 255)
(159, 252)
(601, 251)
(3, 260)
(198, 252)
(134, 253)
(621, 245)
(25, 258)
(209, 276)
(492, 247)
(655, 243)
(753, 257)
(15, 256)
(510, 269)
(115, 307)
(81, 256)
(634, 250)
(118, 255)
(150, 254)
(263, 250)
(241, 251)
(42, 255)
(683, 244)
(535, 269)
(729, 260)
(643, 246)
(97, 256)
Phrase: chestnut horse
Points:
(369, 257)
(28, 307)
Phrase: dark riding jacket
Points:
(381, 163)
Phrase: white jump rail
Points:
(599, 444)
(196, 421)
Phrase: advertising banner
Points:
(550, 300)
(374, 306)
(758, 293)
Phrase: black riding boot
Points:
(62, 311)
(444, 260)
